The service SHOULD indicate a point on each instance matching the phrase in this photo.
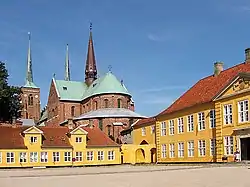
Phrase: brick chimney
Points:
(218, 68)
(91, 124)
(71, 124)
(247, 55)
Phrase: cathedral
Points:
(100, 101)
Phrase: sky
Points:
(158, 48)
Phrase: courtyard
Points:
(130, 176)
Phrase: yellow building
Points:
(139, 146)
(210, 121)
(56, 146)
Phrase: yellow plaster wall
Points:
(138, 138)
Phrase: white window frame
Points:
(163, 129)
(67, 156)
(190, 148)
(10, 157)
(23, 157)
(78, 139)
(100, 155)
(163, 150)
(202, 148)
(1, 157)
(190, 123)
(212, 147)
(243, 111)
(180, 149)
(180, 125)
(56, 156)
(79, 156)
(111, 155)
(171, 150)
(90, 155)
(33, 157)
(33, 139)
(212, 117)
(228, 114)
(44, 157)
(143, 131)
(171, 127)
(228, 145)
(201, 121)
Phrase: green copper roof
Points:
(78, 91)
(30, 85)
(70, 90)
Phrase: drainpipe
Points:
(156, 161)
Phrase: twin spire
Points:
(67, 71)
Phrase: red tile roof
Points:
(206, 89)
(143, 122)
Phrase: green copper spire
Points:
(29, 74)
(67, 71)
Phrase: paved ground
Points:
(130, 176)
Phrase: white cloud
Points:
(244, 8)
(157, 38)
(163, 89)
(160, 100)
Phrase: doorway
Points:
(245, 148)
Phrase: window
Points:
(180, 125)
(0, 157)
(64, 88)
(202, 147)
(22, 157)
(100, 155)
(201, 121)
(228, 116)
(181, 149)
(44, 156)
(78, 139)
(228, 145)
(109, 130)
(212, 147)
(73, 111)
(143, 131)
(190, 123)
(100, 124)
(190, 148)
(67, 156)
(30, 100)
(10, 157)
(106, 103)
(33, 139)
(163, 128)
(163, 151)
(212, 118)
(78, 156)
(33, 157)
(171, 127)
(56, 156)
(171, 150)
(243, 111)
(111, 155)
(152, 129)
(96, 105)
(119, 102)
(90, 155)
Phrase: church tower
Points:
(30, 92)
(90, 70)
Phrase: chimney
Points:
(91, 124)
(247, 55)
(218, 68)
(14, 125)
(71, 124)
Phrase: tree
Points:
(10, 97)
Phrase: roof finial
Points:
(67, 71)
(90, 26)
(54, 75)
(110, 68)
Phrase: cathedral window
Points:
(106, 103)
(119, 103)
(96, 105)
(109, 130)
(73, 111)
(100, 124)
(30, 100)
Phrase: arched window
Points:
(100, 124)
(87, 107)
(109, 130)
(83, 109)
(96, 105)
(30, 100)
(73, 111)
(119, 103)
(106, 103)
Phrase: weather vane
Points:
(109, 67)
(90, 26)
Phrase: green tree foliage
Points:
(10, 105)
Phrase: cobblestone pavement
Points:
(130, 176)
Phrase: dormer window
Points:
(64, 88)
(33, 139)
(78, 139)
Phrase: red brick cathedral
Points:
(103, 101)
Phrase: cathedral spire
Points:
(90, 70)
(67, 71)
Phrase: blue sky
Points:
(159, 48)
